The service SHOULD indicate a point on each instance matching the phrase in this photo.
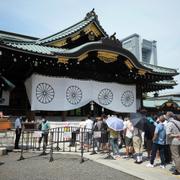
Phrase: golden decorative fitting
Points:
(107, 57)
(59, 43)
(82, 56)
(168, 104)
(75, 37)
(129, 64)
(91, 36)
(92, 28)
(63, 59)
(141, 72)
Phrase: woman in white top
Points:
(128, 133)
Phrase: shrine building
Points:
(74, 71)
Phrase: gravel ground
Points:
(64, 167)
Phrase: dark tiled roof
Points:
(90, 17)
(35, 48)
(5, 35)
(53, 51)
(159, 69)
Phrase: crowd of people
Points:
(158, 135)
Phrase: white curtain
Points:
(62, 94)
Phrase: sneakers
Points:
(176, 172)
(125, 157)
(138, 162)
(150, 165)
(162, 166)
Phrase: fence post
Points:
(51, 150)
(57, 147)
(82, 144)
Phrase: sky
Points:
(157, 20)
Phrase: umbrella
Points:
(115, 123)
(138, 120)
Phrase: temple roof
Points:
(4, 35)
(100, 57)
(159, 69)
(31, 47)
(91, 17)
(34, 48)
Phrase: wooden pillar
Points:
(30, 115)
(139, 96)
(63, 115)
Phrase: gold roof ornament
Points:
(141, 72)
(129, 64)
(107, 57)
(82, 56)
(77, 36)
(91, 36)
(63, 59)
(59, 43)
(92, 28)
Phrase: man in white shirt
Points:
(88, 132)
(18, 128)
(128, 132)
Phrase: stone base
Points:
(3, 151)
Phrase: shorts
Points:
(128, 141)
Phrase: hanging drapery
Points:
(62, 94)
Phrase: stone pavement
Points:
(64, 167)
(139, 170)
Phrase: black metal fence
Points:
(62, 139)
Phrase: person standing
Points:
(173, 138)
(88, 132)
(45, 131)
(128, 133)
(159, 140)
(113, 140)
(137, 144)
(75, 132)
(149, 129)
(18, 127)
(104, 134)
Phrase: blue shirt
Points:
(161, 134)
(17, 123)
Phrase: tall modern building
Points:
(144, 50)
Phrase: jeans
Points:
(114, 145)
(155, 148)
(45, 136)
(18, 135)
